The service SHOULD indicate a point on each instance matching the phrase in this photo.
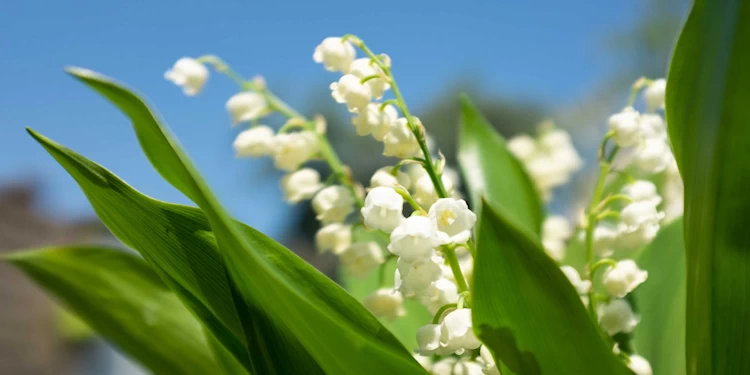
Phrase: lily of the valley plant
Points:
(487, 283)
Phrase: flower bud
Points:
(333, 204)
(334, 237)
(581, 286)
(256, 141)
(626, 126)
(624, 278)
(385, 303)
(246, 106)
(383, 209)
(655, 94)
(453, 218)
(617, 316)
(335, 54)
(383, 177)
(351, 91)
(414, 239)
(293, 149)
(301, 184)
(374, 121)
(361, 257)
(189, 74)
(400, 141)
(639, 365)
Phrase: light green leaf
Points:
(331, 325)
(660, 335)
(492, 172)
(120, 297)
(526, 311)
(708, 91)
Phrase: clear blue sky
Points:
(549, 51)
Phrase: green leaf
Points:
(120, 297)
(331, 325)
(492, 172)
(660, 335)
(708, 92)
(526, 311)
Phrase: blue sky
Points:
(548, 51)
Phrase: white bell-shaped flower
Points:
(457, 366)
(605, 239)
(256, 141)
(383, 209)
(361, 257)
(414, 279)
(414, 239)
(189, 74)
(639, 365)
(655, 94)
(617, 316)
(352, 92)
(623, 278)
(626, 126)
(631, 239)
(385, 303)
(640, 214)
(423, 360)
(335, 237)
(642, 191)
(441, 293)
(490, 367)
(333, 204)
(581, 286)
(364, 67)
(653, 156)
(400, 141)
(374, 121)
(293, 149)
(523, 147)
(453, 218)
(335, 54)
(301, 184)
(383, 177)
(246, 106)
(653, 127)
(456, 332)
(424, 190)
(428, 339)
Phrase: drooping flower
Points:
(653, 156)
(653, 127)
(642, 191)
(440, 293)
(189, 74)
(293, 149)
(256, 141)
(363, 68)
(301, 184)
(374, 121)
(385, 303)
(655, 94)
(456, 332)
(335, 237)
(414, 279)
(428, 339)
(581, 286)
(617, 316)
(335, 53)
(626, 126)
(352, 92)
(624, 278)
(333, 204)
(640, 223)
(383, 177)
(424, 190)
(639, 365)
(383, 209)
(414, 239)
(457, 366)
(400, 141)
(246, 106)
(453, 218)
(362, 257)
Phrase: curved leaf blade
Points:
(333, 327)
(708, 93)
(492, 172)
(526, 311)
(120, 297)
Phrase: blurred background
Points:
(522, 62)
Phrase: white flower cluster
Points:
(484, 364)
(549, 159)
(363, 80)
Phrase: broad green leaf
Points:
(708, 92)
(330, 324)
(660, 335)
(492, 172)
(526, 311)
(120, 297)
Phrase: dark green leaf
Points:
(708, 92)
(492, 172)
(526, 311)
(120, 297)
(660, 336)
(331, 325)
